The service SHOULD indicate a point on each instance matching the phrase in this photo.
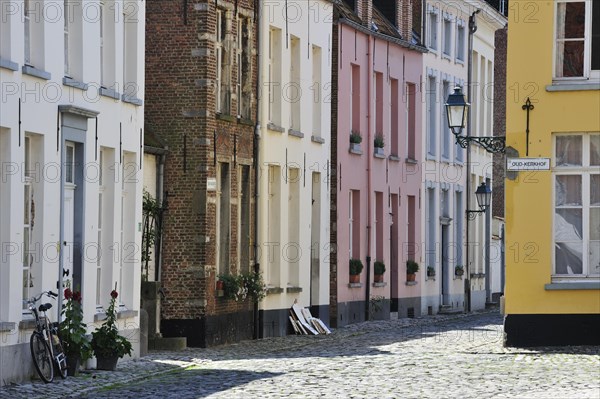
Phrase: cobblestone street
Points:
(432, 357)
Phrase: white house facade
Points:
(445, 199)
(294, 148)
(71, 140)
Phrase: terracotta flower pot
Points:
(106, 363)
(411, 277)
(73, 363)
(379, 278)
(354, 278)
(220, 285)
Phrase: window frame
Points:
(585, 171)
(588, 73)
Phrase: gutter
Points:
(400, 42)
(369, 168)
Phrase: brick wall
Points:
(180, 107)
(499, 120)
(334, 179)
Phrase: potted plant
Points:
(459, 270)
(72, 331)
(356, 268)
(107, 344)
(255, 286)
(379, 269)
(233, 287)
(379, 143)
(412, 268)
(430, 271)
(355, 140)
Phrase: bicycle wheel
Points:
(42, 358)
(60, 359)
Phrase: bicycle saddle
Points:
(45, 307)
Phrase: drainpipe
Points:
(472, 30)
(257, 330)
(369, 166)
(160, 194)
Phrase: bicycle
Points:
(45, 344)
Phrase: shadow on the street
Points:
(186, 383)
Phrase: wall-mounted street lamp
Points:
(457, 111)
(484, 198)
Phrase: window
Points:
(274, 82)
(316, 90)
(460, 41)
(447, 25)
(244, 92)
(430, 213)
(68, 16)
(28, 215)
(130, 47)
(355, 89)
(577, 205)
(5, 23)
(107, 44)
(410, 120)
(27, 29)
(101, 188)
(244, 212)
(379, 226)
(293, 91)
(446, 132)
(577, 48)
(459, 213)
(431, 115)
(274, 226)
(432, 28)
(394, 116)
(69, 163)
(223, 217)
(291, 250)
(354, 224)
(379, 104)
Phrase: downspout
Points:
(369, 166)
(160, 194)
(255, 158)
(472, 30)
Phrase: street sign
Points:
(514, 164)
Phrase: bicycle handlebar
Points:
(47, 293)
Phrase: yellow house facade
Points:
(552, 293)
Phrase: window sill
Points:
(225, 117)
(381, 284)
(293, 290)
(317, 139)
(431, 157)
(7, 326)
(109, 93)
(411, 282)
(295, 133)
(28, 324)
(245, 121)
(446, 56)
(394, 158)
(460, 62)
(8, 64)
(411, 161)
(354, 285)
(274, 290)
(572, 86)
(131, 100)
(275, 128)
(38, 73)
(355, 149)
(67, 81)
(573, 285)
(379, 155)
(123, 314)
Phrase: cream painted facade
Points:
(294, 148)
(444, 195)
(72, 105)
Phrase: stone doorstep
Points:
(167, 343)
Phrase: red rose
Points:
(77, 296)
(68, 294)
(114, 294)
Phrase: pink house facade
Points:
(375, 209)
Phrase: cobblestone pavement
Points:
(431, 357)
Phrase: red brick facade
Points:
(181, 71)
